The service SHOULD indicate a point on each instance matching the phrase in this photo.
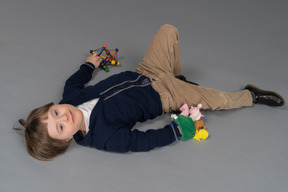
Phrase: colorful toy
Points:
(199, 124)
(109, 59)
(195, 114)
(201, 131)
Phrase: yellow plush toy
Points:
(201, 131)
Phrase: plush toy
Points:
(201, 131)
(199, 124)
(192, 129)
(194, 112)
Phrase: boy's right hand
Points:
(94, 59)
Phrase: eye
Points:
(61, 127)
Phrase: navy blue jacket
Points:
(124, 100)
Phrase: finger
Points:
(99, 58)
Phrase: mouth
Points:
(72, 116)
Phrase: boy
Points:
(103, 115)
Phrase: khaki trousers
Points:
(162, 62)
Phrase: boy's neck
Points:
(83, 129)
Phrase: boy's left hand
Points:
(94, 59)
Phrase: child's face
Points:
(64, 121)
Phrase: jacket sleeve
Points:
(78, 80)
(125, 140)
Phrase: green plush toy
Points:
(187, 127)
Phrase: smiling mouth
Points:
(72, 116)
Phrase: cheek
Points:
(72, 129)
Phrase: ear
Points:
(69, 139)
(199, 106)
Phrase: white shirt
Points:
(86, 109)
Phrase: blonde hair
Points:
(39, 144)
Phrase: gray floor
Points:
(225, 44)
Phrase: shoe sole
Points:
(254, 86)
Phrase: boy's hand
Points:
(94, 59)
(186, 127)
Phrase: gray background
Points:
(225, 44)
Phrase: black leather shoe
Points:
(265, 97)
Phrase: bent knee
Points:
(169, 28)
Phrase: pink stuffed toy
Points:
(194, 112)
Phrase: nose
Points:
(64, 117)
